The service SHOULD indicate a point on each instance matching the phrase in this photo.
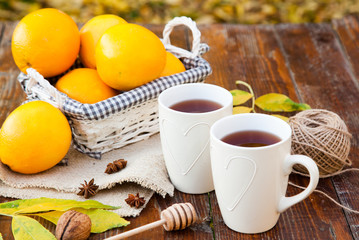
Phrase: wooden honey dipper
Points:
(176, 217)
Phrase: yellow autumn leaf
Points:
(275, 102)
(50, 204)
(52, 216)
(1, 237)
(97, 217)
(26, 228)
(240, 97)
(9, 208)
(241, 109)
(281, 117)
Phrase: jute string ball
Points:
(323, 136)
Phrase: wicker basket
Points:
(128, 117)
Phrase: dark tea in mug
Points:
(251, 139)
(196, 106)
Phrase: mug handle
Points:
(287, 202)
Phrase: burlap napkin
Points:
(145, 173)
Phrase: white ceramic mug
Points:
(251, 182)
(185, 136)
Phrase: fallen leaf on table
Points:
(52, 216)
(275, 102)
(9, 208)
(97, 217)
(240, 97)
(241, 109)
(28, 228)
(48, 204)
(24, 227)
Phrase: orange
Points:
(173, 66)
(47, 40)
(34, 138)
(85, 86)
(91, 32)
(128, 56)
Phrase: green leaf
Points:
(48, 204)
(9, 208)
(26, 228)
(64, 205)
(281, 117)
(97, 217)
(275, 102)
(240, 97)
(241, 109)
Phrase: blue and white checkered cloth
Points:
(197, 70)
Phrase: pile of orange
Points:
(124, 55)
(117, 56)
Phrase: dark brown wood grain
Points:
(347, 31)
(325, 80)
(11, 94)
(7, 63)
(255, 54)
(314, 63)
(5, 222)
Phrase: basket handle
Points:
(48, 93)
(191, 25)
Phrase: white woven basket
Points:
(128, 117)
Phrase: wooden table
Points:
(313, 63)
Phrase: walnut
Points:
(73, 225)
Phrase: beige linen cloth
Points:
(145, 174)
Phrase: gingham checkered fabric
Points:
(197, 70)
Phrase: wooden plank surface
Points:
(11, 94)
(314, 63)
(347, 31)
(331, 85)
(255, 55)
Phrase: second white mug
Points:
(185, 135)
(251, 182)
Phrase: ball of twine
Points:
(323, 136)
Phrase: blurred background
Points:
(203, 11)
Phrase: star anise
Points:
(115, 166)
(135, 200)
(88, 189)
